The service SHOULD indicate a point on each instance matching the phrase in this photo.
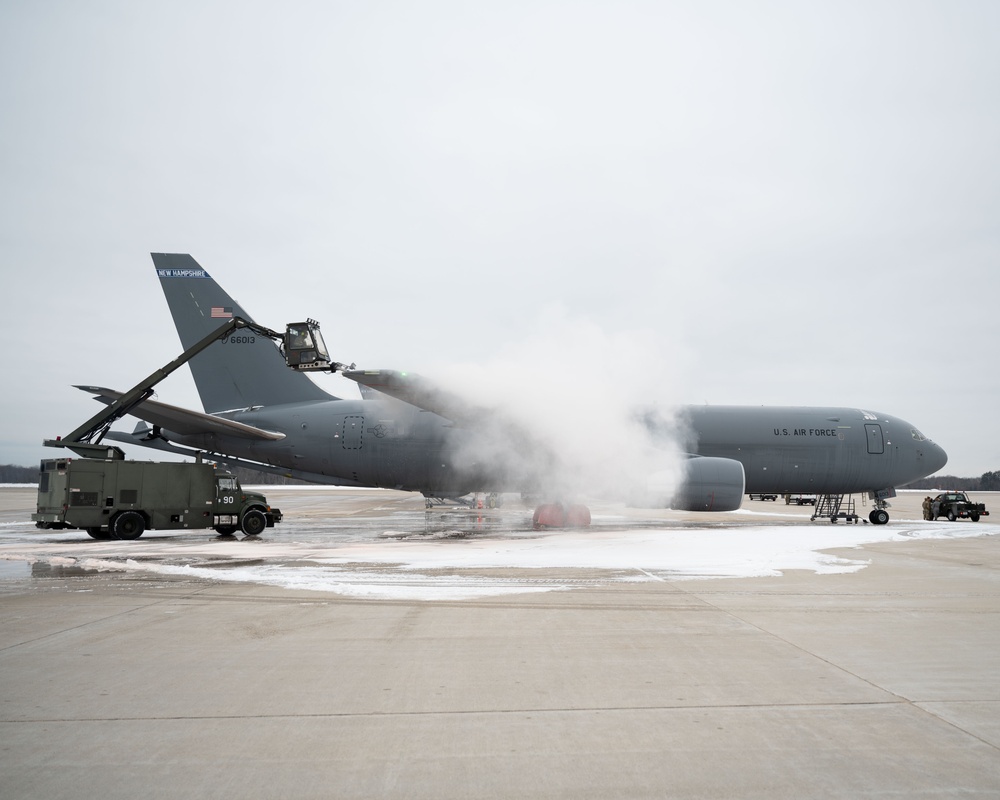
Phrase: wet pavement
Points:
(366, 648)
(384, 544)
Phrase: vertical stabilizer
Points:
(244, 370)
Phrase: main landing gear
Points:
(547, 515)
(560, 515)
(476, 500)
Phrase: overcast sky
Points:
(769, 203)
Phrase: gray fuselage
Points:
(814, 450)
(392, 444)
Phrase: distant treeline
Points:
(10, 473)
(254, 477)
(13, 474)
(987, 482)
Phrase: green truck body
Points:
(113, 498)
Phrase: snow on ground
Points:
(409, 563)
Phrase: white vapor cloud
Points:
(576, 392)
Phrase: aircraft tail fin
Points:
(243, 371)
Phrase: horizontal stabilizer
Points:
(183, 421)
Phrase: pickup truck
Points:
(956, 505)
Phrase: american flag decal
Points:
(218, 312)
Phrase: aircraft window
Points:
(917, 435)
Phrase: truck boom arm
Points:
(85, 440)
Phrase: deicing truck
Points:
(114, 498)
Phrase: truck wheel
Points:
(254, 522)
(98, 533)
(951, 516)
(128, 525)
(974, 516)
(225, 530)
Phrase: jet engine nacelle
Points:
(708, 484)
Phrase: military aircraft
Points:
(406, 433)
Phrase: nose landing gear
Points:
(878, 516)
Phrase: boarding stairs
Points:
(834, 507)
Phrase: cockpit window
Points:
(917, 435)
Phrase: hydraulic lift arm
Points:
(85, 440)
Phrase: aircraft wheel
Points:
(578, 517)
(98, 533)
(128, 525)
(254, 522)
(556, 515)
(879, 516)
(549, 515)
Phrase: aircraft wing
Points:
(417, 391)
(182, 420)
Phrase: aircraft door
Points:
(876, 445)
(354, 427)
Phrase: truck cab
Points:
(237, 509)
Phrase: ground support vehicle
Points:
(115, 498)
(957, 505)
(756, 496)
(800, 499)
(108, 496)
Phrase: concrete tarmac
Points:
(880, 682)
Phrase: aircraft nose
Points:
(934, 457)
